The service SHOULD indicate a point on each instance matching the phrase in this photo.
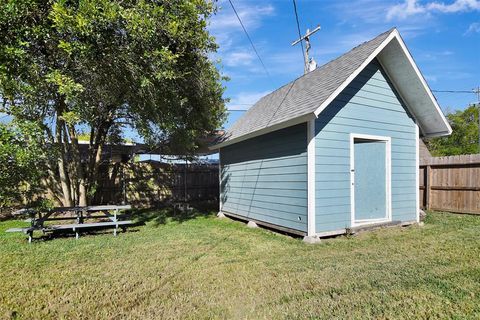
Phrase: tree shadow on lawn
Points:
(63, 234)
(180, 212)
(176, 213)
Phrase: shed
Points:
(337, 148)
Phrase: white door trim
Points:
(388, 176)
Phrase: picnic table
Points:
(80, 214)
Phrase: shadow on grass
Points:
(63, 234)
(154, 216)
(173, 212)
(178, 213)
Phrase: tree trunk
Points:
(95, 152)
(79, 172)
(64, 181)
(96, 164)
(70, 167)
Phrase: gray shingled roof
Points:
(303, 95)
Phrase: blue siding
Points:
(369, 105)
(265, 178)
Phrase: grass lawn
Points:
(204, 267)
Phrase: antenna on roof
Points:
(309, 63)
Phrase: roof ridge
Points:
(295, 98)
(326, 63)
(308, 95)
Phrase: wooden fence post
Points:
(428, 185)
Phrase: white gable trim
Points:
(429, 99)
(403, 100)
(353, 75)
(282, 125)
(393, 35)
(424, 83)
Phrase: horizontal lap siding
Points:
(368, 105)
(265, 178)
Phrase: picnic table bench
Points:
(38, 219)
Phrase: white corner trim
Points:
(388, 176)
(355, 73)
(417, 171)
(311, 178)
(220, 203)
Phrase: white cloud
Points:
(225, 20)
(368, 18)
(244, 100)
(404, 10)
(238, 58)
(288, 61)
(412, 8)
(225, 24)
(234, 49)
(369, 11)
(431, 78)
(446, 53)
(473, 28)
(456, 6)
(436, 55)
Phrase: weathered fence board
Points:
(152, 184)
(451, 183)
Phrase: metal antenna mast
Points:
(309, 65)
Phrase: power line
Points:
(299, 32)
(454, 91)
(249, 39)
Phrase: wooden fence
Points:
(153, 184)
(451, 183)
(446, 183)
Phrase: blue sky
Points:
(443, 37)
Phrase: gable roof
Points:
(307, 96)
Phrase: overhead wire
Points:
(454, 91)
(299, 32)
(249, 39)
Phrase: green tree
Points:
(21, 156)
(105, 65)
(464, 138)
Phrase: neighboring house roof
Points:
(305, 98)
(425, 155)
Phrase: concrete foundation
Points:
(220, 215)
(422, 214)
(252, 224)
(311, 240)
(374, 226)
